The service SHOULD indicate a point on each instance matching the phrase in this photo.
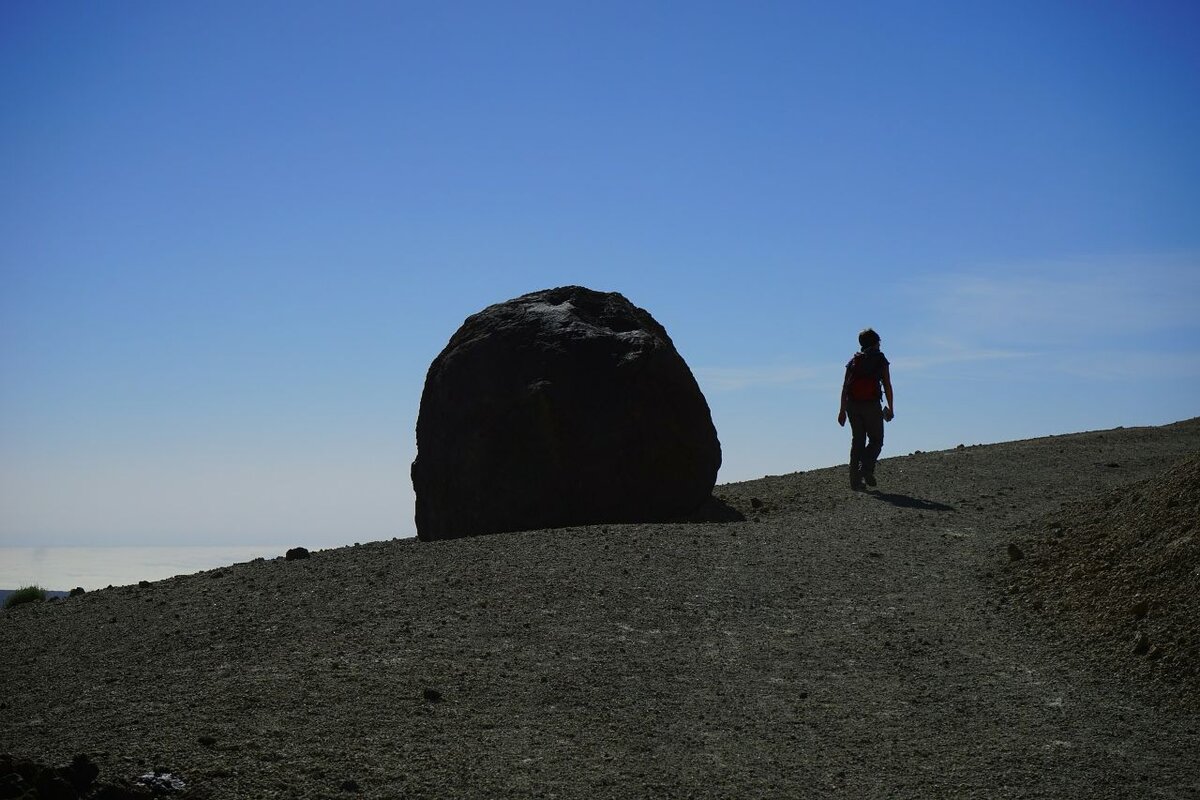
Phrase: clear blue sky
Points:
(233, 235)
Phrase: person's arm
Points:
(887, 392)
(842, 406)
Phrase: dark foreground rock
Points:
(26, 779)
(561, 407)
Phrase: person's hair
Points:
(867, 337)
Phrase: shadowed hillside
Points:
(1125, 566)
(832, 644)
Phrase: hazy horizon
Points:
(61, 568)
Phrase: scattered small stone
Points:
(1014, 553)
(755, 502)
(161, 782)
(78, 590)
(1141, 644)
(143, 584)
(432, 695)
(296, 552)
(961, 447)
(1141, 608)
(207, 741)
(350, 786)
(1112, 465)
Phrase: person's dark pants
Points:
(866, 425)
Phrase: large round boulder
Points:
(561, 407)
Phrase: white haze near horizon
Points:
(91, 568)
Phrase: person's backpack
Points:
(866, 371)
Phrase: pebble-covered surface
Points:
(1125, 567)
(834, 644)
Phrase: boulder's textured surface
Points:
(561, 407)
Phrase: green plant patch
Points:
(26, 594)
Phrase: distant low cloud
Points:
(1103, 319)
(1172, 371)
(1054, 304)
(725, 379)
(734, 378)
(956, 354)
(830, 374)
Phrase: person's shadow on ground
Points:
(905, 501)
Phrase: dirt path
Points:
(833, 645)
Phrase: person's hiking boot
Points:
(869, 478)
(856, 483)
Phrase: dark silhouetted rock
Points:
(295, 553)
(29, 780)
(561, 407)
(81, 772)
(78, 590)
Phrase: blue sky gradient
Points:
(233, 236)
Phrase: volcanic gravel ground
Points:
(835, 644)
(1126, 568)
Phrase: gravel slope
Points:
(835, 644)
(1125, 568)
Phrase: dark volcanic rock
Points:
(561, 407)
(30, 780)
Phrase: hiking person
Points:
(866, 373)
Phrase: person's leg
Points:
(858, 446)
(873, 427)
